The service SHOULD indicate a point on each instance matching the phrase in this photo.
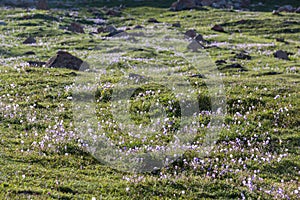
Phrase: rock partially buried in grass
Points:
(176, 24)
(281, 55)
(234, 66)
(29, 40)
(243, 56)
(153, 20)
(66, 60)
(107, 29)
(138, 27)
(220, 62)
(218, 28)
(76, 28)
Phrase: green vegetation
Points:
(257, 155)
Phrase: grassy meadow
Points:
(256, 154)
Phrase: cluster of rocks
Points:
(189, 4)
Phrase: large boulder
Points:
(63, 59)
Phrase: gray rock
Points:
(281, 55)
(76, 28)
(29, 40)
(199, 38)
(191, 33)
(107, 29)
(218, 28)
(195, 46)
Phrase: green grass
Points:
(256, 155)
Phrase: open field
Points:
(256, 154)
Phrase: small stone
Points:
(197, 76)
(138, 27)
(29, 40)
(242, 21)
(281, 55)
(177, 24)
(199, 38)
(218, 28)
(234, 66)
(135, 76)
(119, 33)
(275, 12)
(191, 33)
(195, 46)
(29, 53)
(36, 63)
(280, 40)
(153, 20)
(243, 56)
(220, 62)
(76, 28)
(107, 29)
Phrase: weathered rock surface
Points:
(66, 60)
